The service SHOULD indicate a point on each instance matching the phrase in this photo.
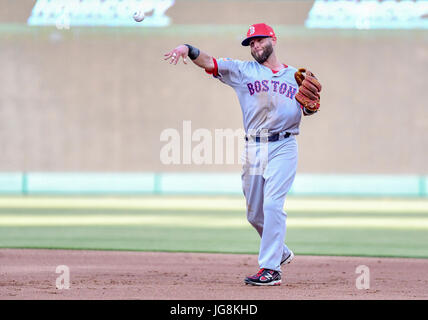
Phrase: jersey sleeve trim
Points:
(214, 71)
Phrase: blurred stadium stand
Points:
(85, 106)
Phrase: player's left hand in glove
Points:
(309, 90)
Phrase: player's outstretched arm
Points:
(198, 57)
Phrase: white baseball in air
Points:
(139, 16)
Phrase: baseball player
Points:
(273, 97)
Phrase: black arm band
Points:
(193, 52)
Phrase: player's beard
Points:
(267, 51)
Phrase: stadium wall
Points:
(98, 99)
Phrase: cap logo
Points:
(252, 30)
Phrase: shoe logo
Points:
(266, 277)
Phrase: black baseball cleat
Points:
(288, 258)
(265, 277)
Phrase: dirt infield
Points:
(31, 274)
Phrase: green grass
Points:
(352, 227)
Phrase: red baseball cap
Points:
(258, 30)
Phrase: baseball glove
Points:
(309, 89)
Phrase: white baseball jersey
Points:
(267, 98)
